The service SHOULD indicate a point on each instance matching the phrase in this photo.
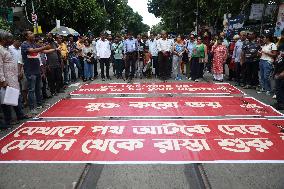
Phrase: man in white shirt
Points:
(153, 49)
(164, 53)
(15, 51)
(104, 52)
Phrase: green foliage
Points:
(179, 15)
(4, 24)
(84, 15)
(158, 28)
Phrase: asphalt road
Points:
(68, 176)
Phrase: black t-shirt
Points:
(250, 49)
(53, 59)
(31, 60)
(279, 63)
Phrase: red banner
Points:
(146, 141)
(159, 88)
(159, 107)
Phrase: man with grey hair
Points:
(3, 82)
(237, 57)
(8, 73)
(152, 43)
(250, 61)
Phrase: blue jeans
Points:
(72, 68)
(66, 72)
(265, 68)
(88, 70)
(34, 88)
(78, 65)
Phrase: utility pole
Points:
(35, 20)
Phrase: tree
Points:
(180, 15)
(4, 25)
(84, 15)
(122, 16)
(158, 28)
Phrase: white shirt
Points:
(238, 51)
(16, 54)
(94, 44)
(103, 49)
(268, 48)
(153, 47)
(164, 45)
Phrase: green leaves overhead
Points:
(4, 25)
(180, 15)
(84, 15)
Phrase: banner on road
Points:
(159, 107)
(146, 141)
(159, 88)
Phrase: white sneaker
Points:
(274, 96)
(197, 80)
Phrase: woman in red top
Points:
(220, 55)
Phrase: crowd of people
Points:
(35, 64)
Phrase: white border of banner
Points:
(185, 93)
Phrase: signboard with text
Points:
(146, 141)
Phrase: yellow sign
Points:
(37, 30)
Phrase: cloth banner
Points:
(146, 141)
(159, 107)
(280, 21)
(159, 88)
